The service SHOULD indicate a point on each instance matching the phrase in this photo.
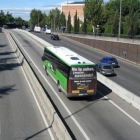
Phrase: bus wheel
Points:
(58, 86)
(46, 71)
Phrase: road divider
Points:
(120, 91)
(55, 123)
(116, 88)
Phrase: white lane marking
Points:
(120, 77)
(51, 135)
(68, 111)
(33, 41)
(0, 128)
(138, 123)
(118, 107)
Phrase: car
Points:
(110, 60)
(105, 69)
(48, 31)
(37, 29)
(54, 37)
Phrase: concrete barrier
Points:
(50, 114)
(116, 88)
(120, 91)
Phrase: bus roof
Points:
(69, 57)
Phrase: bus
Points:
(73, 74)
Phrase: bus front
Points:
(82, 81)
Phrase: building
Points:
(72, 7)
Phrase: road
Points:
(105, 116)
(20, 118)
(127, 75)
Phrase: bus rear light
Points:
(69, 87)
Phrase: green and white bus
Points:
(73, 74)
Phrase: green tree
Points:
(2, 18)
(75, 22)
(54, 17)
(9, 17)
(133, 20)
(84, 25)
(115, 26)
(78, 22)
(93, 11)
(36, 17)
(69, 23)
(62, 20)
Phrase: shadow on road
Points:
(6, 89)
(3, 60)
(30, 137)
(11, 66)
(3, 45)
(6, 53)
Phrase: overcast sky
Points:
(23, 8)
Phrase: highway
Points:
(105, 116)
(20, 118)
(127, 75)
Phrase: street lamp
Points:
(67, 17)
(120, 18)
(38, 17)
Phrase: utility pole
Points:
(54, 24)
(120, 19)
(38, 17)
(67, 17)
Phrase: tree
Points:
(75, 22)
(133, 23)
(36, 17)
(2, 18)
(62, 20)
(93, 11)
(9, 17)
(55, 17)
(115, 26)
(78, 24)
(69, 23)
(84, 25)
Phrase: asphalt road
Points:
(127, 75)
(103, 117)
(20, 118)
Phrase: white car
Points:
(48, 31)
(37, 29)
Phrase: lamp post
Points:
(38, 17)
(120, 18)
(67, 17)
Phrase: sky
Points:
(22, 8)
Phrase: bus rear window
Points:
(83, 72)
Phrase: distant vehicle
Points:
(5, 26)
(105, 69)
(54, 37)
(48, 30)
(110, 60)
(23, 27)
(0, 30)
(74, 74)
(37, 29)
